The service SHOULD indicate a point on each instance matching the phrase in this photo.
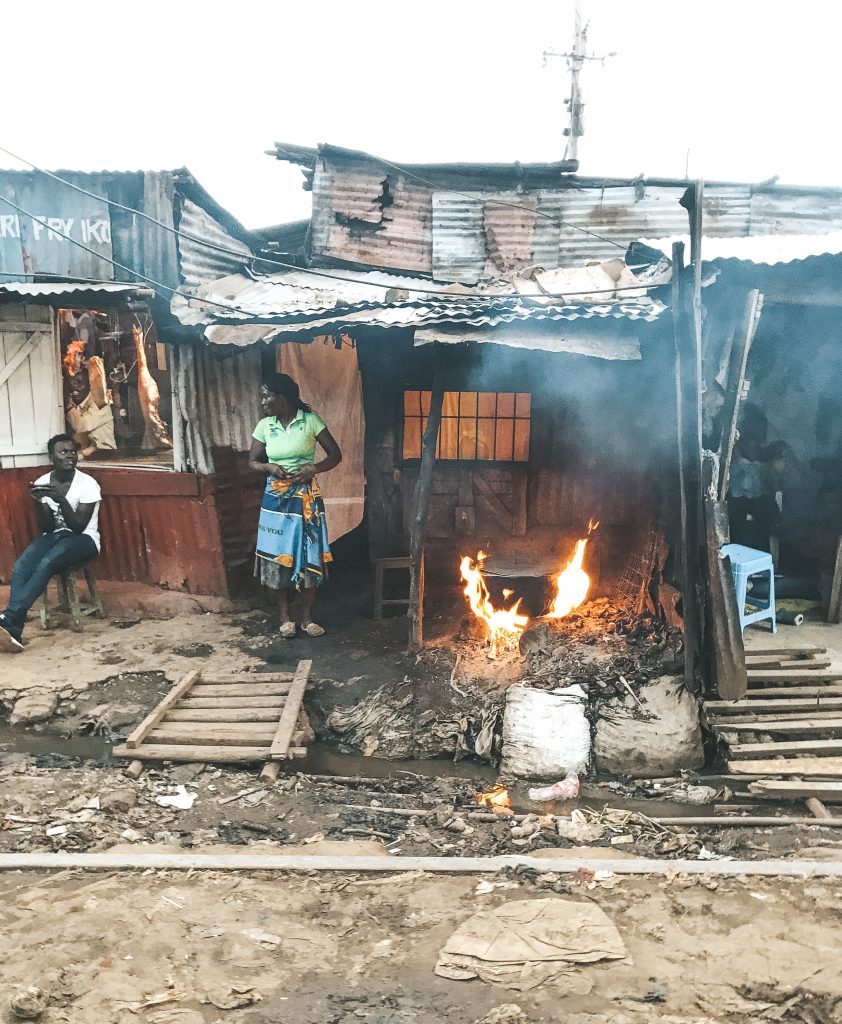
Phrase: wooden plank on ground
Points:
(784, 747)
(289, 716)
(209, 730)
(779, 692)
(804, 664)
(228, 739)
(801, 766)
(805, 651)
(782, 725)
(786, 789)
(757, 707)
(249, 690)
(773, 675)
(233, 702)
(208, 752)
(246, 677)
(223, 715)
(136, 736)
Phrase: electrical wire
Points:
(323, 274)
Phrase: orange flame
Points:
(573, 582)
(73, 358)
(504, 624)
(497, 798)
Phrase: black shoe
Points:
(10, 641)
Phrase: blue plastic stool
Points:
(747, 562)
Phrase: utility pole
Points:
(575, 127)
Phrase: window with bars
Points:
(489, 426)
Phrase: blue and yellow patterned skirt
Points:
(292, 544)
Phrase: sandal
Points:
(312, 629)
(287, 630)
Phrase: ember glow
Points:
(504, 624)
(573, 582)
(497, 798)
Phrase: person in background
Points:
(67, 509)
(292, 541)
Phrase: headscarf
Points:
(282, 384)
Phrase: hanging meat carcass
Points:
(155, 433)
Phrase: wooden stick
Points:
(242, 795)
(834, 607)
(421, 506)
(771, 675)
(783, 665)
(289, 716)
(726, 633)
(817, 808)
(189, 703)
(134, 769)
(135, 738)
(270, 771)
(224, 678)
(774, 692)
(734, 390)
(760, 723)
(211, 754)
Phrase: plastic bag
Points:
(566, 789)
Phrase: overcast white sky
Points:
(750, 87)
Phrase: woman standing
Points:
(292, 545)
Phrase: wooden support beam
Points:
(243, 690)
(782, 665)
(136, 736)
(726, 634)
(289, 716)
(247, 677)
(779, 692)
(192, 703)
(421, 507)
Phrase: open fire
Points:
(506, 624)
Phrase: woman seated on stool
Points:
(67, 508)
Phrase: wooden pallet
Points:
(227, 718)
(794, 701)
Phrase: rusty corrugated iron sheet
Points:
(157, 528)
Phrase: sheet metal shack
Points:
(82, 348)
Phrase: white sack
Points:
(545, 735)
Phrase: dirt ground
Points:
(208, 948)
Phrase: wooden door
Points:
(473, 501)
(31, 408)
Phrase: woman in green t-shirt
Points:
(292, 544)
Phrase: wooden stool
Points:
(69, 600)
(380, 566)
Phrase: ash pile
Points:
(602, 648)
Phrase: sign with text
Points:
(62, 232)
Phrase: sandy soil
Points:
(168, 948)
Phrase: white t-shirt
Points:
(84, 490)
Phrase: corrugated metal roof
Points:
(62, 289)
(201, 263)
(765, 249)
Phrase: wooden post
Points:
(734, 388)
(419, 519)
(726, 635)
(688, 478)
(834, 606)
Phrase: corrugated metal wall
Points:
(217, 402)
(202, 263)
(157, 528)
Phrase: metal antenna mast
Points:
(575, 58)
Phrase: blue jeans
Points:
(51, 553)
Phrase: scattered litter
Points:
(526, 943)
(56, 830)
(318, 837)
(28, 1003)
(579, 829)
(232, 997)
(506, 1013)
(264, 938)
(484, 888)
(706, 854)
(621, 840)
(566, 789)
(181, 800)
